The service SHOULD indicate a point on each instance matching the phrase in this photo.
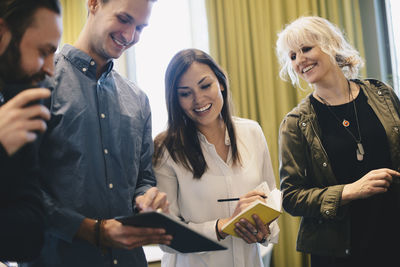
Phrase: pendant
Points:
(360, 151)
(345, 123)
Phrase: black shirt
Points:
(370, 216)
(21, 207)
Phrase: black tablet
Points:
(185, 239)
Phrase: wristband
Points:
(97, 233)
(219, 236)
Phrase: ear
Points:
(5, 36)
(93, 5)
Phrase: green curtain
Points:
(74, 17)
(242, 39)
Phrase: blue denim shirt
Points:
(96, 158)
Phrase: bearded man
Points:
(30, 31)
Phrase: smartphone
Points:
(11, 90)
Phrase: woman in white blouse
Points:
(206, 154)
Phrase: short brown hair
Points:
(18, 14)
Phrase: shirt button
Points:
(304, 124)
(396, 129)
(347, 251)
(379, 92)
(102, 115)
(327, 212)
(115, 262)
(324, 164)
(92, 63)
(84, 69)
(105, 151)
(110, 185)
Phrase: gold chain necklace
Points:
(360, 149)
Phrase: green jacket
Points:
(309, 187)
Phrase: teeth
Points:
(203, 108)
(118, 42)
(308, 68)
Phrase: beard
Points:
(11, 71)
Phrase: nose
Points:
(129, 34)
(136, 37)
(300, 58)
(197, 96)
(48, 65)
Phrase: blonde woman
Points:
(339, 151)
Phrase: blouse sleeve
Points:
(167, 182)
(269, 177)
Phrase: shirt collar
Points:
(203, 139)
(83, 62)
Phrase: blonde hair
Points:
(318, 31)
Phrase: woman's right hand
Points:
(243, 203)
(375, 182)
(246, 200)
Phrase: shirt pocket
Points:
(130, 143)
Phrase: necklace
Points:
(360, 149)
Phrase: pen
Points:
(228, 199)
(233, 199)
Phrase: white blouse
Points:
(195, 200)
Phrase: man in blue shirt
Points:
(96, 155)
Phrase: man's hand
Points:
(152, 200)
(114, 234)
(18, 123)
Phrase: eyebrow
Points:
(199, 82)
(49, 47)
(202, 80)
(130, 18)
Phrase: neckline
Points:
(356, 99)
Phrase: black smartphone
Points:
(11, 90)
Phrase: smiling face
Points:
(116, 26)
(311, 63)
(200, 95)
